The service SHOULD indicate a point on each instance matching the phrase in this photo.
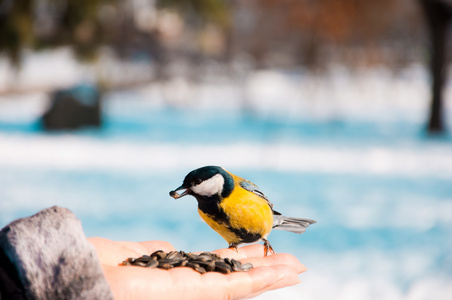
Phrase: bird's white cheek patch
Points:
(209, 187)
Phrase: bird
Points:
(235, 207)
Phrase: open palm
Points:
(128, 282)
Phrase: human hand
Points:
(128, 282)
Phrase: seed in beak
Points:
(174, 194)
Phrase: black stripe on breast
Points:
(246, 236)
(210, 206)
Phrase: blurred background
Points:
(338, 109)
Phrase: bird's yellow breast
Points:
(246, 211)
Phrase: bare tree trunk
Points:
(438, 15)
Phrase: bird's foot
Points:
(268, 248)
(233, 247)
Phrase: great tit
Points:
(235, 207)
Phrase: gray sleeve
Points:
(53, 258)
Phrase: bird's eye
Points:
(197, 181)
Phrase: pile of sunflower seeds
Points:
(202, 263)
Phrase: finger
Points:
(232, 286)
(255, 250)
(290, 278)
(184, 283)
(255, 254)
(262, 279)
(152, 246)
(277, 259)
(112, 252)
(236, 285)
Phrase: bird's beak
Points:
(175, 195)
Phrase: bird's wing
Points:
(249, 186)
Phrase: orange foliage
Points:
(313, 25)
(336, 20)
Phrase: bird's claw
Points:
(268, 248)
(233, 247)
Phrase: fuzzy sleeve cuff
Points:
(53, 258)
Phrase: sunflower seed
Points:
(159, 254)
(215, 256)
(204, 257)
(236, 265)
(174, 255)
(167, 261)
(143, 259)
(192, 265)
(202, 263)
(180, 263)
(139, 263)
(165, 266)
(222, 270)
(236, 262)
(222, 267)
(192, 256)
(152, 264)
(200, 270)
(211, 266)
(228, 261)
(246, 267)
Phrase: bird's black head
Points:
(206, 182)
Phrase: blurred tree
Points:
(16, 27)
(200, 12)
(49, 23)
(85, 25)
(354, 32)
(275, 33)
(438, 14)
(205, 18)
(312, 33)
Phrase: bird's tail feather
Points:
(296, 225)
